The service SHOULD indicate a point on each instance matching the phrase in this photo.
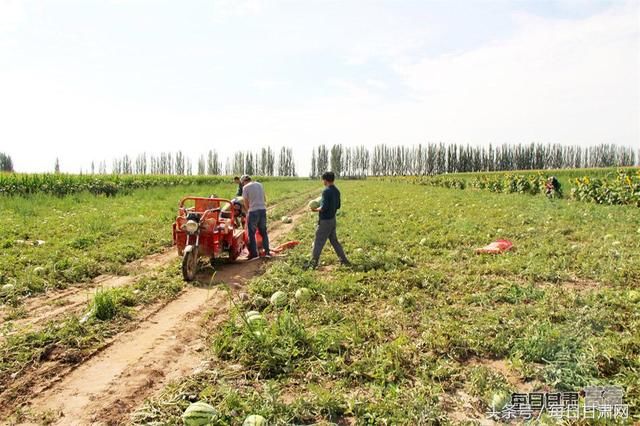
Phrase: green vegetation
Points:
(109, 185)
(623, 189)
(565, 176)
(107, 304)
(50, 242)
(602, 186)
(421, 320)
(6, 164)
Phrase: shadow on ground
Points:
(233, 274)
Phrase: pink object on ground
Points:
(496, 247)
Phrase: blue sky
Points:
(90, 80)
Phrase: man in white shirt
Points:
(255, 203)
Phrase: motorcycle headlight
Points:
(191, 226)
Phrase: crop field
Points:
(49, 242)
(52, 249)
(601, 186)
(418, 330)
(565, 176)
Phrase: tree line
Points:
(264, 162)
(6, 164)
(432, 159)
(361, 161)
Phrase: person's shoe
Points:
(346, 263)
(309, 265)
(252, 257)
(267, 255)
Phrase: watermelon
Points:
(227, 206)
(314, 204)
(407, 301)
(279, 298)
(303, 294)
(260, 302)
(500, 399)
(286, 219)
(251, 314)
(255, 420)
(254, 318)
(198, 414)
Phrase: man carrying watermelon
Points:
(326, 228)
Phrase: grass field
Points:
(420, 330)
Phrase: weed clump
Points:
(270, 350)
(108, 303)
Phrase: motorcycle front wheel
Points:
(190, 265)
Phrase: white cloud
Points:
(555, 80)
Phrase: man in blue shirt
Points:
(327, 221)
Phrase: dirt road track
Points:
(167, 345)
(55, 304)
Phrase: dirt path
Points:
(107, 387)
(55, 304)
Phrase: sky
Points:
(90, 80)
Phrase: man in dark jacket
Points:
(327, 221)
(236, 180)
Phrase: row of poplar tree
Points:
(380, 160)
(6, 164)
(265, 162)
(430, 159)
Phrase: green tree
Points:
(6, 164)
